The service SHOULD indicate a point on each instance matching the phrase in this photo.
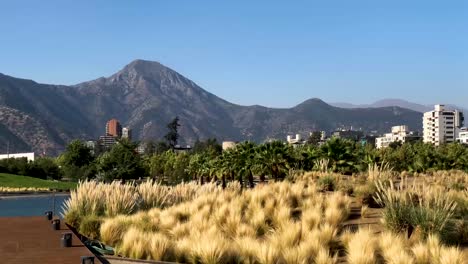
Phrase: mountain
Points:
(397, 102)
(146, 95)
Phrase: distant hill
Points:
(146, 95)
(397, 102)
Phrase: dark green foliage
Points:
(210, 147)
(275, 160)
(121, 162)
(173, 135)
(42, 167)
(314, 138)
(77, 162)
(161, 147)
(77, 154)
(45, 168)
(18, 166)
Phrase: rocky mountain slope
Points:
(146, 95)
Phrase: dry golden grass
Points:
(365, 247)
(274, 223)
(279, 222)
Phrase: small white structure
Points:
(296, 140)
(228, 145)
(127, 133)
(463, 136)
(29, 156)
(399, 133)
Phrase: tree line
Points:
(245, 162)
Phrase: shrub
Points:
(90, 226)
(346, 188)
(112, 230)
(365, 195)
(430, 214)
(326, 183)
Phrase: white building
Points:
(463, 136)
(295, 140)
(127, 133)
(398, 134)
(441, 125)
(29, 156)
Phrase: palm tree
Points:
(273, 159)
(340, 154)
(243, 161)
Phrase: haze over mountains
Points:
(146, 95)
(397, 102)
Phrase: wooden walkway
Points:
(32, 240)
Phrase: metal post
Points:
(54, 202)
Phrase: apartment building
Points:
(113, 128)
(441, 125)
(127, 133)
(463, 136)
(399, 134)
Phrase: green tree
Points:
(77, 162)
(244, 157)
(121, 162)
(77, 154)
(173, 135)
(45, 167)
(273, 159)
(210, 146)
(314, 138)
(339, 152)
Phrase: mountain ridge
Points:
(146, 95)
(397, 102)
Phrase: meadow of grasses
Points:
(301, 220)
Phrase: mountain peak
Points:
(143, 67)
(143, 63)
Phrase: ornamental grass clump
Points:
(327, 183)
(427, 210)
(278, 222)
(365, 247)
(383, 172)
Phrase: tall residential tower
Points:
(113, 128)
(441, 125)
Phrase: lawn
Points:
(17, 181)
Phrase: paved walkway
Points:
(31, 240)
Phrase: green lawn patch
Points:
(17, 181)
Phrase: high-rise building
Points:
(441, 125)
(113, 128)
(127, 133)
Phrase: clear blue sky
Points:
(273, 53)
